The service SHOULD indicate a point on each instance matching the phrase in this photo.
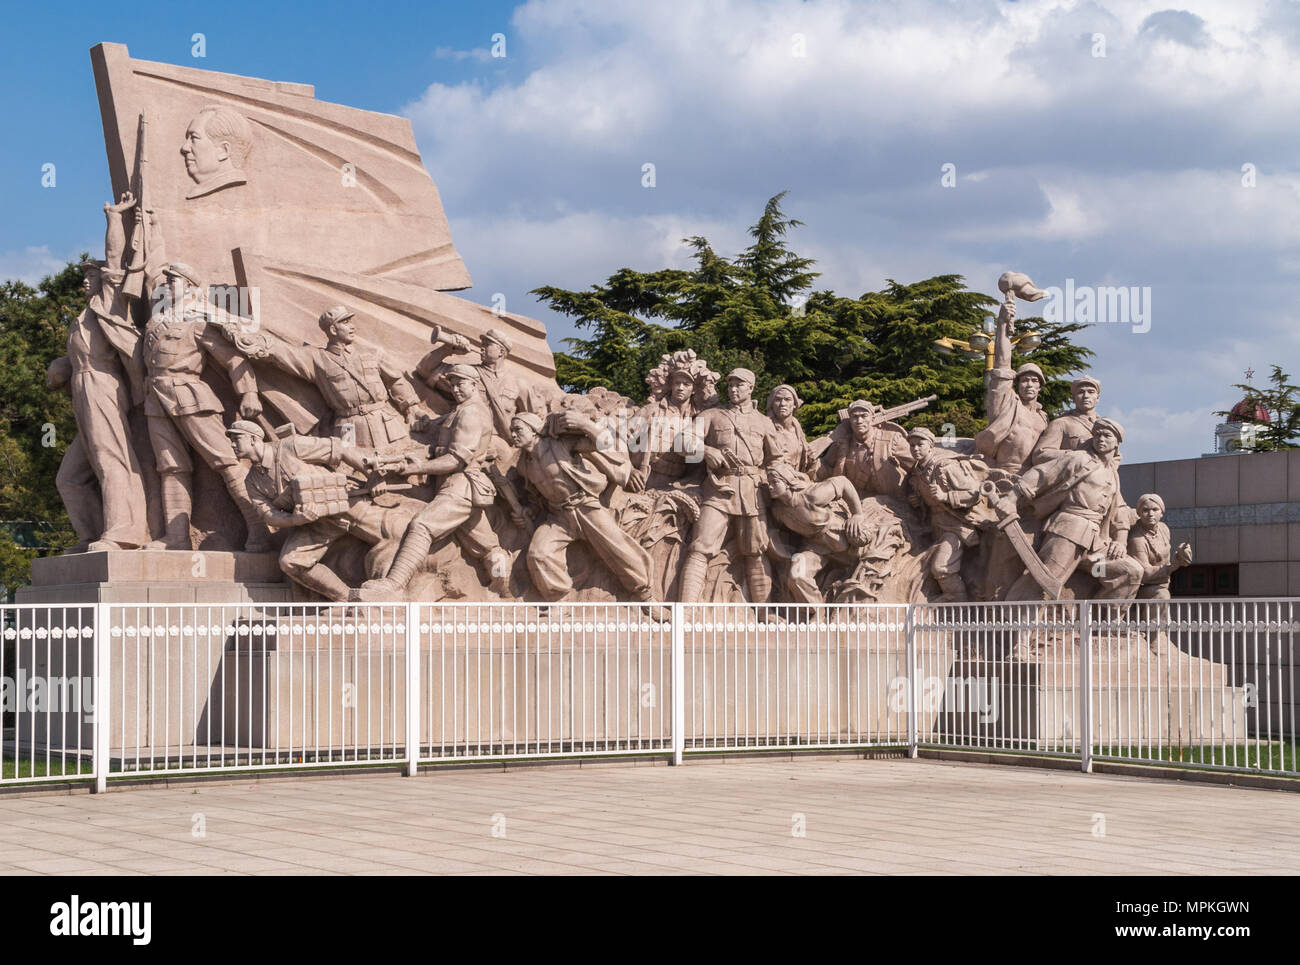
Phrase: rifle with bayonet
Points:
(133, 285)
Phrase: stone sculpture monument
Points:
(291, 390)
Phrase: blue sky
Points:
(1122, 169)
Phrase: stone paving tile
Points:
(862, 817)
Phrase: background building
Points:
(1239, 510)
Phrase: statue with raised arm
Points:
(1016, 418)
(499, 388)
(105, 376)
(372, 402)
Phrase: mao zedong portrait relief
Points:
(216, 149)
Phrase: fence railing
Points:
(103, 691)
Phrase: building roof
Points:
(1248, 410)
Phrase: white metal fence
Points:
(110, 691)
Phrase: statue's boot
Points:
(414, 548)
(691, 582)
(177, 501)
(646, 595)
(954, 589)
(758, 581)
(103, 545)
(259, 537)
(321, 579)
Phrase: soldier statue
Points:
(665, 448)
(1016, 417)
(1149, 543)
(372, 402)
(572, 465)
(739, 443)
(782, 404)
(820, 513)
(874, 455)
(1073, 430)
(100, 478)
(275, 466)
(947, 486)
(501, 390)
(1078, 493)
(183, 411)
(462, 442)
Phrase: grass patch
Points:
(1263, 756)
(11, 768)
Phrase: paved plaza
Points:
(809, 816)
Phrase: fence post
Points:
(1085, 685)
(910, 638)
(103, 662)
(679, 681)
(412, 689)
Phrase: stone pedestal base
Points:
(157, 576)
(1139, 699)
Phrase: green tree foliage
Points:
(35, 424)
(760, 310)
(1281, 400)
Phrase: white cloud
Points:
(1122, 169)
(30, 265)
(1159, 433)
(480, 54)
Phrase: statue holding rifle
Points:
(871, 449)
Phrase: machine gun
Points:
(897, 412)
